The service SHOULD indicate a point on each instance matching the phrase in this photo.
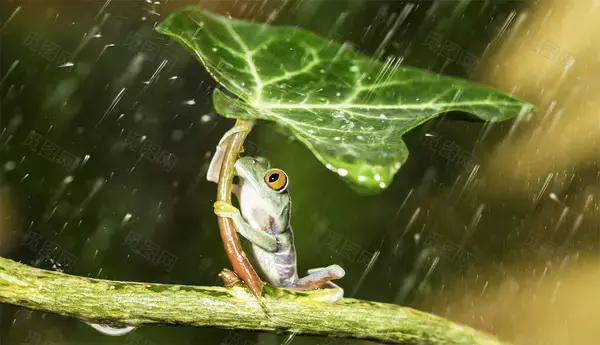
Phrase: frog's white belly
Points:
(278, 268)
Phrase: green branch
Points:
(133, 303)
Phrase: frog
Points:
(264, 220)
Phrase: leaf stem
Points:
(231, 242)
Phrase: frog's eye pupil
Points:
(276, 180)
(273, 177)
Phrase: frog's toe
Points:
(334, 271)
(225, 209)
(337, 271)
(337, 294)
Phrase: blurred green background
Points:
(81, 79)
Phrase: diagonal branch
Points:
(235, 253)
(102, 301)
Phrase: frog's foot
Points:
(321, 278)
(214, 169)
(114, 331)
(226, 210)
(229, 277)
(338, 293)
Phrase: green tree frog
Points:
(264, 220)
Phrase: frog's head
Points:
(270, 183)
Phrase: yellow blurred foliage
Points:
(549, 58)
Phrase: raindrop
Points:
(189, 102)
(205, 118)
(176, 135)
(342, 172)
(377, 177)
(126, 218)
(554, 197)
(417, 237)
(9, 166)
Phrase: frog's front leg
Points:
(256, 236)
(214, 169)
(321, 278)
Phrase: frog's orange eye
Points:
(276, 179)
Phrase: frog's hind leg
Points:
(317, 277)
(321, 278)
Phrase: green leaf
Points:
(350, 110)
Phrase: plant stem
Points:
(105, 301)
(235, 253)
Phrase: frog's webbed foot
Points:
(214, 169)
(229, 277)
(226, 210)
(321, 278)
(114, 331)
(259, 237)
